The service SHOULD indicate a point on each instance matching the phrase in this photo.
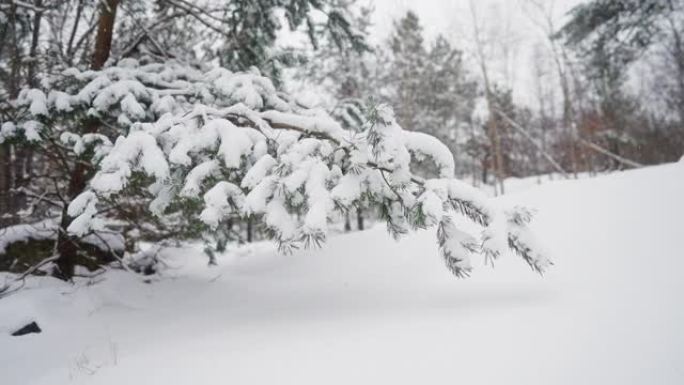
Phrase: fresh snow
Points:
(236, 119)
(368, 310)
(47, 229)
(427, 145)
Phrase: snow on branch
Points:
(235, 146)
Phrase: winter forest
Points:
(341, 191)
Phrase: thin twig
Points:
(522, 130)
(609, 154)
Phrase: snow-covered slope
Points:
(367, 310)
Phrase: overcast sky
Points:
(453, 19)
(507, 23)
(450, 16)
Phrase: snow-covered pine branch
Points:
(231, 143)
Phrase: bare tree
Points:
(541, 13)
(492, 129)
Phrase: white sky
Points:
(508, 21)
(515, 41)
(451, 16)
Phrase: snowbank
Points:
(368, 310)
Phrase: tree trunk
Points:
(5, 158)
(23, 156)
(66, 246)
(105, 30)
(5, 185)
(498, 158)
(66, 249)
(250, 230)
(485, 174)
(359, 219)
(21, 160)
(8, 209)
(33, 57)
(492, 129)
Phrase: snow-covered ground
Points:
(367, 310)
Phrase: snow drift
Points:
(366, 309)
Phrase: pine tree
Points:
(449, 99)
(408, 61)
(431, 88)
(132, 143)
(350, 76)
(150, 31)
(353, 80)
(228, 145)
(254, 25)
(609, 36)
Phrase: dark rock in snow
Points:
(27, 329)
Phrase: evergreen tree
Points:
(431, 88)
(449, 98)
(349, 76)
(351, 81)
(151, 31)
(619, 29)
(254, 25)
(228, 145)
(134, 143)
(408, 61)
(609, 36)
